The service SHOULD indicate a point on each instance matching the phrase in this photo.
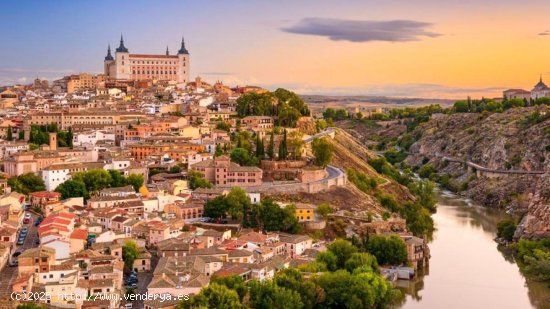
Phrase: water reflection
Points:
(466, 269)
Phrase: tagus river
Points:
(466, 269)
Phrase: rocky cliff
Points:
(515, 140)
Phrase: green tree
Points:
(26, 183)
(241, 156)
(216, 208)
(283, 152)
(130, 252)
(213, 296)
(343, 250)
(323, 210)
(136, 180)
(9, 134)
(461, 107)
(196, 180)
(329, 259)
(72, 188)
(94, 179)
(275, 218)
(259, 147)
(223, 126)
(361, 260)
(269, 295)
(291, 279)
(388, 250)
(357, 290)
(234, 282)
(322, 149)
(117, 179)
(69, 137)
(21, 135)
(506, 229)
(238, 203)
(271, 146)
(219, 150)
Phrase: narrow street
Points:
(9, 274)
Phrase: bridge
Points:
(482, 170)
(326, 132)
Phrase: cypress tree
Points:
(9, 134)
(283, 153)
(271, 146)
(259, 147)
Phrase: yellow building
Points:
(305, 212)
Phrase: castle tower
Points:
(53, 141)
(183, 57)
(108, 63)
(122, 68)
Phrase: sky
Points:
(420, 48)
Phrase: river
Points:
(466, 269)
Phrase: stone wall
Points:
(311, 175)
(269, 165)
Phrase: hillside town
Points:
(140, 181)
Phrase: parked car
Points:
(14, 263)
(38, 221)
(21, 241)
(128, 305)
(134, 286)
(16, 254)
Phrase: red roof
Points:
(49, 194)
(79, 234)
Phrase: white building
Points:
(90, 138)
(56, 174)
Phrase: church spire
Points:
(121, 47)
(167, 52)
(183, 50)
(109, 56)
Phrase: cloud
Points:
(363, 30)
(545, 32)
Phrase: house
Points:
(142, 261)
(240, 256)
(212, 237)
(178, 276)
(86, 288)
(36, 260)
(417, 250)
(174, 247)
(185, 210)
(220, 171)
(45, 201)
(118, 191)
(305, 212)
(295, 244)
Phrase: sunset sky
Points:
(427, 48)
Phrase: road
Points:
(144, 278)
(9, 274)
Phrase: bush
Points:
(506, 229)
(361, 180)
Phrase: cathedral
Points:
(126, 66)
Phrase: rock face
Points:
(536, 223)
(511, 140)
